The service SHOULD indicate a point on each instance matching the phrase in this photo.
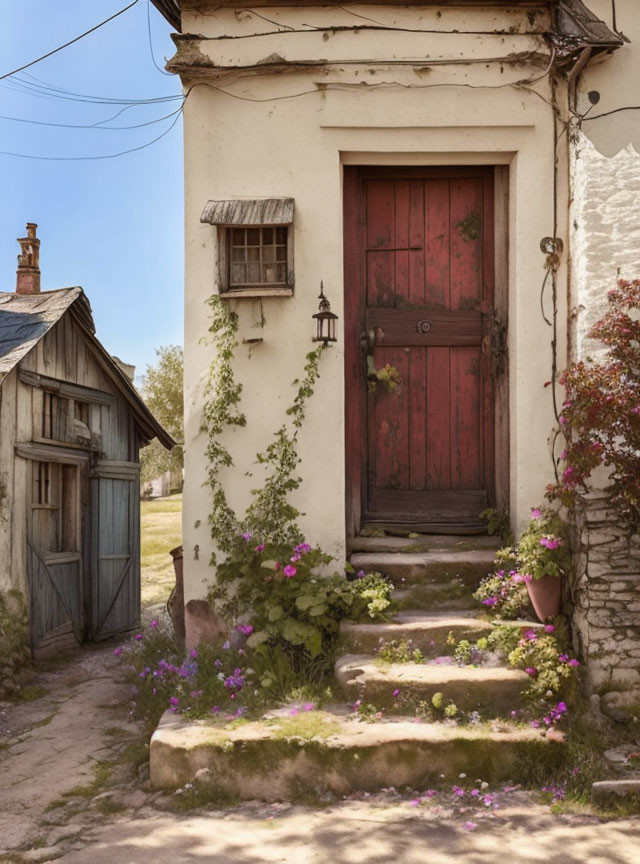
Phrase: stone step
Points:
(444, 565)
(427, 631)
(437, 596)
(493, 691)
(319, 752)
(423, 543)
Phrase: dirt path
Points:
(73, 787)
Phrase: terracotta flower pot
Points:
(546, 596)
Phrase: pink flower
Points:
(536, 513)
(246, 536)
(259, 548)
(308, 706)
(289, 571)
(573, 663)
(138, 636)
(247, 629)
(153, 623)
(118, 652)
(532, 671)
(549, 628)
(396, 693)
(550, 542)
(193, 653)
(470, 826)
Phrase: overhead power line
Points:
(70, 42)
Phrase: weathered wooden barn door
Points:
(419, 255)
(115, 540)
(55, 561)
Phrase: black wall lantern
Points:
(325, 320)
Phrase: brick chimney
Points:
(28, 281)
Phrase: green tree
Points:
(162, 392)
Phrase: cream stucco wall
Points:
(289, 134)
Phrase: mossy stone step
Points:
(444, 565)
(427, 631)
(493, 691)
(315, 753)
(444, 596)
(424, 543)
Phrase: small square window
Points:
(255, 261)
(255, 246)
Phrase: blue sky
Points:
(114, 226)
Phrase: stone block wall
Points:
(606, 616)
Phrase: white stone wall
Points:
(605, 232)
(605, 245)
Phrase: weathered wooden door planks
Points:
(419, 301)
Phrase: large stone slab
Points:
(427, 631)
(492, 691)
(423, 543)
(444, 565)
(320, 752)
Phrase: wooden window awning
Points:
(253, 211)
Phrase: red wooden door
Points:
(419, 303)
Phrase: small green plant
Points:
(14, 650)
(399, 651)
(388, 376)
(498, 524)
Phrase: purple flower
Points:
(226, 645)
(235, 681)
(259, 548)
(549, 628)
(535, 724)
(561, 707)
(458, 791)
(138, 636)
(573, 663)
(308, 706)
(563, 658)
(531, 635)
(247, 629)
(470, 826)
(303, 548)
(490, 601)
(396, 693)
(193, 653)
(215, 710)
(360, 574)
(118, 652)
(246, 536)
(153, 623)
(536, 513)
(174, 701)
(532, 671)
(289, 571)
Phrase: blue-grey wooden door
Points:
(55, 563)
(115, 542)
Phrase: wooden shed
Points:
(71, 428)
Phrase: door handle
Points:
(368, 341)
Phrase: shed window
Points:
(255, 246)
(55, 411)
(42, 483)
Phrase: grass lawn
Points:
(161, 530)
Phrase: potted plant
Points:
(542, 559)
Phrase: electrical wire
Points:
(96, 158)
(70, 42)
(70, 96)
(153, 59)
(97, 126)
(614, 111)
